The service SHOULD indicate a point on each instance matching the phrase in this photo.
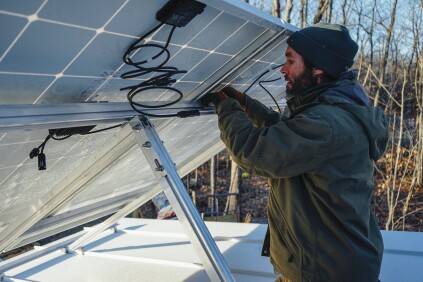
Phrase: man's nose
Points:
(283, 70)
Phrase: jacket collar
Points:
(314, 92)
(308, 96)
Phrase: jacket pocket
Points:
(290, 252)
(285, 251)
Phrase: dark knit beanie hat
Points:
(327, 46)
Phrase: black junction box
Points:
(179, 12)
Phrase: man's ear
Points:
(319, 73)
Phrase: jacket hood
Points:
(349, 95)
(375, 125)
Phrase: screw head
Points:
(137, 127)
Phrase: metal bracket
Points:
(175, 191)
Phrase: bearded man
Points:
(318, 161)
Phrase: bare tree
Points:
(276, 8)
(323, 4)
(393, 190)
(233, 188)
(344, 13)
(347, 9)
(328, 12)
(418, 86)
(212, 199)
(288, 10)
(416, 21)
(371, 30)
(303, 13)
(384, 60)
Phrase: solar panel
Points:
(57, 53)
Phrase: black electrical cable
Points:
(39, 151)
(264, 81)
(161, 81)
(271, 96)
(59, 138)
(87, 133)
(41, 147)
(103, 129)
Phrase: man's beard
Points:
(301, 83)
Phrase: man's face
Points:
(298, 76)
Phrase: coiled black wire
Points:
(161, 81)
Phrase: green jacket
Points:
(319, 163)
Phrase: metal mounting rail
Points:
(24, 117)
(175, 191)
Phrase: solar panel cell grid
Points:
(58, 52)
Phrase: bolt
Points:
(147, 144)
(159, 166)
(137, 127)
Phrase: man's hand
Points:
(215, 98)
(235, 94)
(228, 92)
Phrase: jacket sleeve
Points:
(284, 149)
(260, 115)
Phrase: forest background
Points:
(390, 65)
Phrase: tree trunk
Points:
(323, 4)
(419, 122)
(328, 13)
(233, 188)
(344, 13)
(394, 191)
(371, 32)
(385, 56)
(288, 10)
(211, 203)
(416, 38)
(276, 8)
(303, 13)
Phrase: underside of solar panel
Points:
(74, 73)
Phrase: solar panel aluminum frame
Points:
(246, 11)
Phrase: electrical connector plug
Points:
(33, 153)
(42, 165)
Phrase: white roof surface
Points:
(158, 250)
